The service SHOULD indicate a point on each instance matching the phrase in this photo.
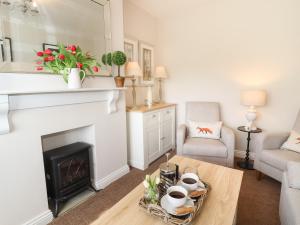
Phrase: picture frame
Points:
(2, 50)
(131, 50)
(52, 47)
(146, 61)
(8, 53)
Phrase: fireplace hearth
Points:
(67, 172)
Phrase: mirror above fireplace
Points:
(27, 26)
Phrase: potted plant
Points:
(70, 62)
(119, 59)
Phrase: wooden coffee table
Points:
(219, 208)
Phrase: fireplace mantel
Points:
(19, 100)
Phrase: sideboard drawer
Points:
(167, 114)
(151, 119)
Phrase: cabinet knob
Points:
(153, 116)
(168, 112)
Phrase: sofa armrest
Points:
(293, 174)
(181, 136)
(228, 138)
(267, 141)
(274, 140)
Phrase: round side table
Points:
(246, 164)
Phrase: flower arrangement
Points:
(151, 193)
(62, 60)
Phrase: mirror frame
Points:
(106, 71)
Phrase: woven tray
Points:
(157, 211)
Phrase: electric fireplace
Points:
(67, 171)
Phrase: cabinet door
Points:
(166, 135)
(152, 142)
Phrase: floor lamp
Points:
(133, 71)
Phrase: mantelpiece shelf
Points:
(30, 99)
(24, 92)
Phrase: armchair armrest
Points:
(228, 138)
(181, 135)
(268, 141)
(274, 140)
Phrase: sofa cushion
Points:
(293, 142)
(293, 174)
(278, 158)
(204, 147)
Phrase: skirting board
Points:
(104, 182)
(242, 154)
(137, 165)
(42, 219)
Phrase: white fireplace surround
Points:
(10, 101)
(27, 116)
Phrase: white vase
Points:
(74, 81)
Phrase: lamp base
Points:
(250, 116)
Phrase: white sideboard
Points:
(151, 133)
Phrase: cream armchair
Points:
(210, 150)
(269, 158)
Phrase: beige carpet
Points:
(258, 201)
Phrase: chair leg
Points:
(259, 175)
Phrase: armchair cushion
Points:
(205, 129)
(274, 140)
(204, 147)
(293, 174)
(278, 158)
(293, 142)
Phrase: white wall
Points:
(139, 25)
(215, 49)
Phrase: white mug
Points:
(190, 187)
(176, 202)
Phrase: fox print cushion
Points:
(204, 129)
(293, 142)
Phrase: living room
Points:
(203, 91)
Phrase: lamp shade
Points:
(253, 98)
(161, 72)
(133, 69)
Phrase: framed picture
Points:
(52, 47)
(8, 54)
(131, 50)
(6, 50)
(1, 50)
(146, 55)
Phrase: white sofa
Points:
(210, 150)
(269, 158)
(289, 207)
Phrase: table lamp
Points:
(133, 71)
(160, 74)
(252, 99)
